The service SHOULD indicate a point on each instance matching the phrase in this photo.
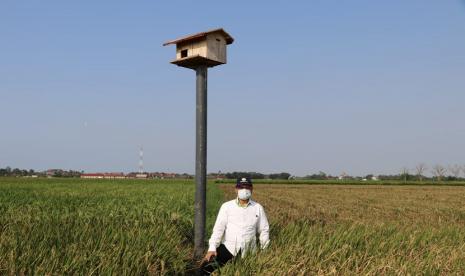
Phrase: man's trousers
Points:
(222, 257)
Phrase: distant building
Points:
(142, 175)
(162, 175)
(103, 175)
(93, 175)
(114, 175)
(218, 176)
(53, 172)
(342, 176)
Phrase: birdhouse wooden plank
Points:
(206, 48)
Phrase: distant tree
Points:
(439, 172)
(404, 173)
(283, 175)
(455, 170)
(253, 175)
(317, 176)
(389, 177)
(322, 175)
(16, 172)
(420, 169)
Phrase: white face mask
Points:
(244, 194)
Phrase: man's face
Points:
(240, 194)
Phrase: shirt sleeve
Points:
(263, 229)
(218, 229)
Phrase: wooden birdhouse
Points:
(202, 49)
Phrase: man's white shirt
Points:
(236, 227)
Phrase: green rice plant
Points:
(73, 226)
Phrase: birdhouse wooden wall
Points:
(191, 48)
(212, 47)
(216, 45)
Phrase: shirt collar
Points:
(248, 203)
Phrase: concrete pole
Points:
(200, 161)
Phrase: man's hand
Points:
(209, 256)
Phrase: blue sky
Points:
(338, 86)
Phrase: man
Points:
(236, 227)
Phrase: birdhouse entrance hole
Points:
(183, 53)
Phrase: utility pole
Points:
(198, 52)
(141, 160)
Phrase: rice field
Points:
(94, 227)
(130, 227)
(368, 230)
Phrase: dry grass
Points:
(359, 230)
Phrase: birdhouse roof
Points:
(228, 38)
